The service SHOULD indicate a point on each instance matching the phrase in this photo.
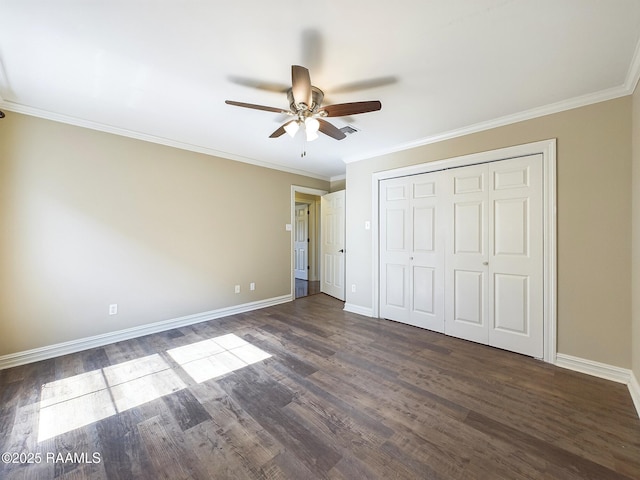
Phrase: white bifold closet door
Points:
(486, 261)
(412, 248)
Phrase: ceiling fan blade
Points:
(282, 129)
(256, 107)
(363, 84)
(331, 130)
(342, 109)
(311, 52)
(300, 85)
(278, 132)
(259, 84)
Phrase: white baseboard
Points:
(634, 389)
(73, 346)
(366, 311)
(602, 370)
(597, 369)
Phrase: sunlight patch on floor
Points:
(83, 399)
(216, 357)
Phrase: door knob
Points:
(341, 250)
(485, 263)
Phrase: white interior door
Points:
(301, 242)
(411, 246)
(332, 226)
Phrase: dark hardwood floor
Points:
(316, 393)
(304, 288)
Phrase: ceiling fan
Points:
(305, 105)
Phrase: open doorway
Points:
(305, 214)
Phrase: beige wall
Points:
(88, 219)
(594, 211)
(635, 246)
(337, 185)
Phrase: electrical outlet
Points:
(113, 309)
(252, 286)
(237, 289)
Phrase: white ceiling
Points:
(161, 70)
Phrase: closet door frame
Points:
(547, 148)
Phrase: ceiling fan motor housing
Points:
(303, 110)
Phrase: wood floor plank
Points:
(335, 396)
(122, 449)
(291, 361)
(562, 459)
(287, 465)
(218, 456)
(186, 409)
(263, 400)
(165, 448)
(348, 404)
(232, 426)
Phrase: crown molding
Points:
(633, 74)
(101, 127)
(576, 102)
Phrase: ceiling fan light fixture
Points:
(311, 125)
(311, 136)
(292, 128)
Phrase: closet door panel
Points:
(412, 251)
(466, 273)
(423, 294)
(424, 229)
(396, 286)
(427, 252)
(468, 298)
(516, 256)
(395, 249)
(511, 312)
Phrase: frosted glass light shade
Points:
(311, 125)
(292, 128)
